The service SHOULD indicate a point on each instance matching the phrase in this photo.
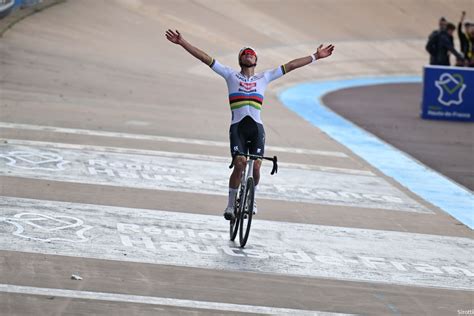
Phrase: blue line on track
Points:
(305, 100)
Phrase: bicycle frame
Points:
(248, 172)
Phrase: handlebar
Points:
(255, 157)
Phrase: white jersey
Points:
(246, 94)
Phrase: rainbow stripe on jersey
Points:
(238, 100)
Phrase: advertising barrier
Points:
(448, 93)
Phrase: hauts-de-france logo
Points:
(48, 228)
(35, 160)
(451, 88)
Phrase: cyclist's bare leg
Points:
(256, 170)
(256, 177)
(240, 163)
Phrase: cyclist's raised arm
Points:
(176, 38)
(321, 52)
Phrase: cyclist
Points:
(246, 91)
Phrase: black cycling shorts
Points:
(247, 136)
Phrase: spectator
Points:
(470, 44)
(471, 51)
(444, 46)
(431, 45)
(466, 39)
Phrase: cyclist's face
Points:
(248, 57)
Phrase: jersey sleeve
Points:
(276, 73)
(220, 69)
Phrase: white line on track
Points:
(152, 300)
(76, 131)
(181, 155)
(202, 241)
(196, 174)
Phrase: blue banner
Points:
(448, 93)
(27, 3)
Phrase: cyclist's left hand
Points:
(324, 52)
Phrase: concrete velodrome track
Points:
(114, 155)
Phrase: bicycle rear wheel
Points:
(246, 212)
(234, 224)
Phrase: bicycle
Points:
(244, 201)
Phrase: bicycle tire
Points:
(234, 224)
(246, 212)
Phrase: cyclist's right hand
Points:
(174, 36)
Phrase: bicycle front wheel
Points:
(246, 212)
(234, 224)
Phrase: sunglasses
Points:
(248, 52)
